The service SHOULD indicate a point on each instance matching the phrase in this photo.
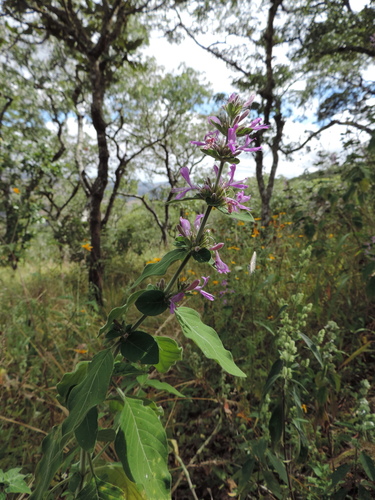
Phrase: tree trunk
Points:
(97, 190)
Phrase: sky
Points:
(220, 77)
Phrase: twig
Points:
(192, 461)
(187, 475)
(11, 421)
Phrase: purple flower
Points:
(173, 301)
(231, 182)
(232, 144)
(219, 264)
(193, 287)
(182, 191)
(234, 205)
(254, 124)
(221, 267)
(199, 288)
(209, 140)
(214, 119)
(185, 228)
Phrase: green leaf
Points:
(276, 425)
(126, 369)
(160, 268)
(106, 435)
(88, 393)
(100, 490)
(310, 344)
(363, 493)
(339, 474)
(243, 215)
(87, 431)
(49, 464)
(140, 346)
(204, 255)
(160, 386)
(273, 375)
(279, 466)
(141, 445)
(114, 474)
(152, 302)
(71, 379)
(117, 312)
(272, 484)
(14, 481)
(169, 353)
(206, 339)
(368, 465)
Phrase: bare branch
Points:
(325, 127)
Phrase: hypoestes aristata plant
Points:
(108, 382)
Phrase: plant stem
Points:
(177, 273)
(287, 468)
(82, 469)
(187, 257)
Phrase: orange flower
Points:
(255, 233)
(271, 257)
(16, 190)
(87, 247)
(154, 260)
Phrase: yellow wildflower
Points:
(331, 235)
(191, 272)
(80, 351)
(304, 408)
(154, 260)
(257, 218)
(87, 247)
(232, 262)
(215, 282)
(271, 257)
(233, 248)
(240, 223)
(16, 190)
(255, 233)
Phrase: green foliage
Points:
(141, 443)
(206, 339)
(160, 268)
(12, 481)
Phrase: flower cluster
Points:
(216, 192)
(223, 143)
(230, 138)
(188, 238)
(184, 288)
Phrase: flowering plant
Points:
(138, 436)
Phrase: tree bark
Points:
(98, 85)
